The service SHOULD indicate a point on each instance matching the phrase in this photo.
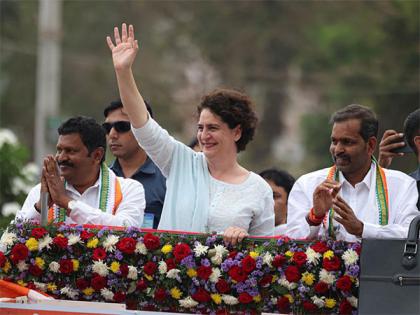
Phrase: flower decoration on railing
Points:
(182, 272)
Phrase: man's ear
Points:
(98, 154)
(371, 143)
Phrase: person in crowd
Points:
(207, 191)
(355, 198)
(395, 144)
(281, 182)
(132, 162)
(81, 188)
(194, 145)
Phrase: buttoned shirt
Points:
(154, 184)
(86, 210)
(362, 199)
(416, 176)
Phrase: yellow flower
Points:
(6, 266)
(257, 298)
(40, 262)
(328, 254)
(291, 299)
(21, 283)
(115, 266)
(176, 293)
(150, 278)
(289, 253)
(88, 291)
(60, 235)
(51, 286)
(254, 254)
(308, 278)
(75, 264)
(166, 249)
(93, 243)
(330, 303)
(32, 244)
(191, 273)
(216, 298)
(275, 278)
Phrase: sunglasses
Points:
(119, 126)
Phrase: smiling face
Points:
(215, 137)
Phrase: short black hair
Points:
(280, 178)
(412, 129)
(118, 104)
(368, 122)
(91, 133)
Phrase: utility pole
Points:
(48, 77)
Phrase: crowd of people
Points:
(158, 182)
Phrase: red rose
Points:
(299, 258)
(222, 286)
(345, 307)
(31, 285)
(222, 312)
(61, 242)
(283, 305)
(149, 268)
(278, 261)
(98, 282)
(151, 241)
(35, 271)
(332, 264)
(170, 263)
(127, 245)
(320, 247)
(321, 287)
(160, 294)
(119, 297)
(82, 284)
(99, 254)
(344, 283)
(232, 254)
(19, 252)
(201, 296)
(292, 274)
(66, 266)
(85, 235)
(38, 232)
(124, 270)
(309, 306)
(2, 259)
(245, 298)
(237, 274)
(248, 264)
(266, 280)
(204, 272)
(141, 285)
(181, 251)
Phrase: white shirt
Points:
(280, 229)
(130, 211)
(402, 195)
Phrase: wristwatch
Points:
(71, 205)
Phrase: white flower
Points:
(163, 268)
(353, 301)
(350, 257)
(312, 256)
(274, 300)
(132, 273)
(22, 266)
(7, 136)
(229, 299)
(200, 249)
(141, 248)
(31, 172)
(356, 283)
(100, 268)
(326, 276)
(285, 283)
(54, 266)
(267, 259)
(8, 239)
(73, 239)
(109, 243)
(10, 208)
(173, 273)
(45, 242)
(107, 294)
(216, 260)
(215, 275)
(69, 292)
(41, 286)
(220, 250)
(318, 301)
(188, 302)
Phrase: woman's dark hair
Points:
(234, 108)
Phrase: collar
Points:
(148, 167)
(367, 180)
(71, 188)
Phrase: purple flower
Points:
(205, 262)
(118, 255)
(188, 262)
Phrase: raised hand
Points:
(125, 49)
(323, 196)
(345, 216)
(390, 140)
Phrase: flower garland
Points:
(183, 273)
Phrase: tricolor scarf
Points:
(381, 191)
(109, 197)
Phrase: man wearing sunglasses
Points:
(132, 162)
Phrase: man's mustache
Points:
(342, 156)
(65, 163)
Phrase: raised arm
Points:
(124, 53)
